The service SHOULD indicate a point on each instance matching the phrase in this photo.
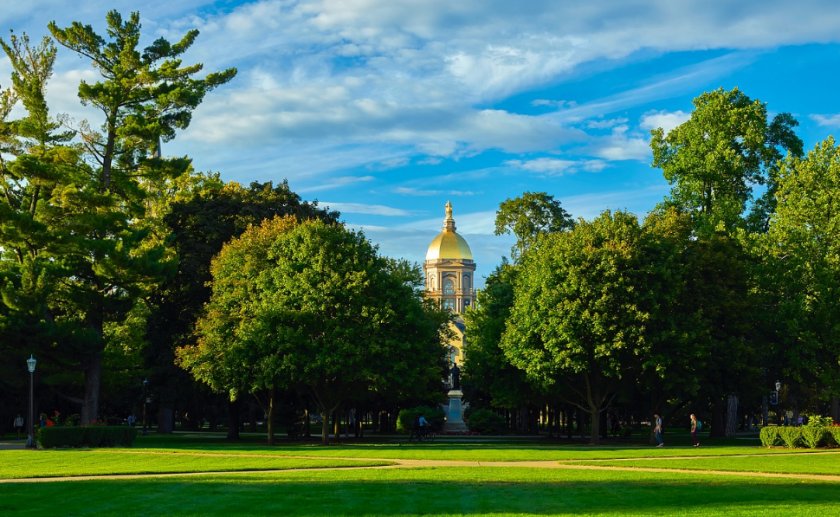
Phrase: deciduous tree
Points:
(579, 311)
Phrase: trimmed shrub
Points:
(485, 421)
(88, 436)
(834, 434)
(791, 436)
(407, 417)
(813, 435)
(770, 436)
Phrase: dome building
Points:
(449, 270)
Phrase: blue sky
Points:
(386, 109)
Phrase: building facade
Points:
(450, 270)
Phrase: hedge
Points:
(87, 436)
(485, 421)
(407, 417)
(770, 436)
(811, 436)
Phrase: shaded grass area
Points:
(77, 462)
(825, 463)
(453, 491)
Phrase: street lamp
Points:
(30, 365)
(778, 385)
(145, 400)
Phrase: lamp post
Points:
(145, 400)
(30, 365)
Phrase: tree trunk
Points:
(93, 379)
(718, 429)
(835, 409)
(269, 424)
(233, 419)
(337, 425)
(325, 426)
(731, 415)
(166, 420)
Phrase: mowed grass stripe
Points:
(439, 491)
(824, 463)
(18, 464)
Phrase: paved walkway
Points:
(414, 463)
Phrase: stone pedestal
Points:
(454, 414)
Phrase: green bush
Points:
(791, 436)
(485, 421)
(88, 436)
(770, 436)
(833, 435)
(407, 416)
(813, 435)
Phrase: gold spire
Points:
(448, 244)
(448, 221)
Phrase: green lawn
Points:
(49, 463)
(811, 463)
(465, 491)
(415, 491)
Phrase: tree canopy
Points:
(311, 305)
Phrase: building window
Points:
(467, 282)
(448, 286)
(466, 303)
(449, 304)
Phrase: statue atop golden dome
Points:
(448, 244)
(449, 267)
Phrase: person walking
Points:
(657, 430)
(695, 426)
(19, 425)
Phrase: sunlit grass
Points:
(480, 490)
(813, 463)
(48, 463)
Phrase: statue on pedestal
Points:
(455, 377)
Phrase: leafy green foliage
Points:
(770, 436)
(528, 216)
(80, 240)
(488, 377)
(311, 305)
(579, 310)
(485, 421)
(813, 436)
(408, 416)
(715, 158)
(86, 436)
(791, 436)
(801, 257)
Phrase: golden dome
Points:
(448, 244)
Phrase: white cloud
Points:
(340, 181)
(606, 123)
(361, 208)
(832, 120)
(557, 104)
(556, 166)
(621, 145)
(667, 120)
(410, 191)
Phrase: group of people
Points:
(660, 439)
(43, 421)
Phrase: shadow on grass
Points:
(289, 496)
